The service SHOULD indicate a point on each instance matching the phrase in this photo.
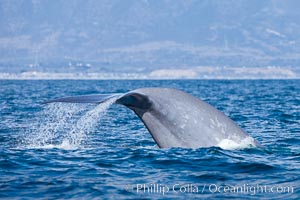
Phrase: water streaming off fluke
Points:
(64, 125)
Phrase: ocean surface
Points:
(87, 151)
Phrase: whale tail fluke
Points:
(131, 99)
(174, 118)
(96, 98)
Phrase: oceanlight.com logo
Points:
(156, 188)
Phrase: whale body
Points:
(175, 118)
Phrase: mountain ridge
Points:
(148, 35)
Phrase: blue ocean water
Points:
(77, 151)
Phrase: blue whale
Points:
(176, 119)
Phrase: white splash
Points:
(228, 144)
(86, 124)
(65, 125)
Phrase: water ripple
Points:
(109, 153)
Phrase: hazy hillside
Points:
(132, 35)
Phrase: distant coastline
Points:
(270, 72)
